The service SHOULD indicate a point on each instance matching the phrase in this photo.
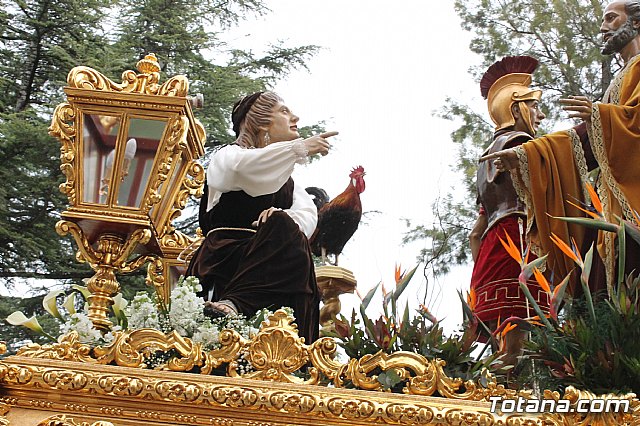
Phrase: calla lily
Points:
(83, 290)
(50, 303)
(18, 318)
(70, 303)
(119, 303)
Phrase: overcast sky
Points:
(383, 70)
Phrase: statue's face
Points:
(528, 119)
(617, 30)
(284, 124)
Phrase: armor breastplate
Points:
(495, 190)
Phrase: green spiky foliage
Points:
(602, 356)
(591, 342)
(397, 329)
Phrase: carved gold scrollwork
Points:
(18, 375)
(423, 377)
(65, 379)
(277, 351)
(410, 414)
(465, 417)
(234, 397)
(87, 78)
(292, 403)
(67, 348)
(605, 417)
(176, 239)
(177, 134)
(63, 127)
(4, 409)
(144, 82)
(131, 349)
(401, 362)
(63, 420)
(199, 129)
(112, 253)
(175, 86)
(155, 277)
(231, 345)
(178, 391)
(191, 185)
(354, 409)
(121, 386)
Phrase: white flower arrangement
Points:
(87, 333)
(69, 319)
(143, 312)
(184, 314)
(185, 311)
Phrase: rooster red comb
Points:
(357, 171)
(507, 65)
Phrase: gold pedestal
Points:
(111, 255)
(332, 282)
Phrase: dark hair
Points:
(632, 8)
(240, 110)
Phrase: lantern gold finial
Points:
(149, 64)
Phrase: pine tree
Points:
(41, 41)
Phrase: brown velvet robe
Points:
(269, 268)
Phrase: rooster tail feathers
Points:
(319, 195)
(507, 65)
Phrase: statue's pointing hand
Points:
(503, 160)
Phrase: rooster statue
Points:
(339, 218)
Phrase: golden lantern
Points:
(129, 155)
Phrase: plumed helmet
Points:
(505, 83)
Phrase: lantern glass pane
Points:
(99, 139)
(140, 148)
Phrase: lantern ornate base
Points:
(111, 254)
(332, 282)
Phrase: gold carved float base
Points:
(71, 384)
(122, 396)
